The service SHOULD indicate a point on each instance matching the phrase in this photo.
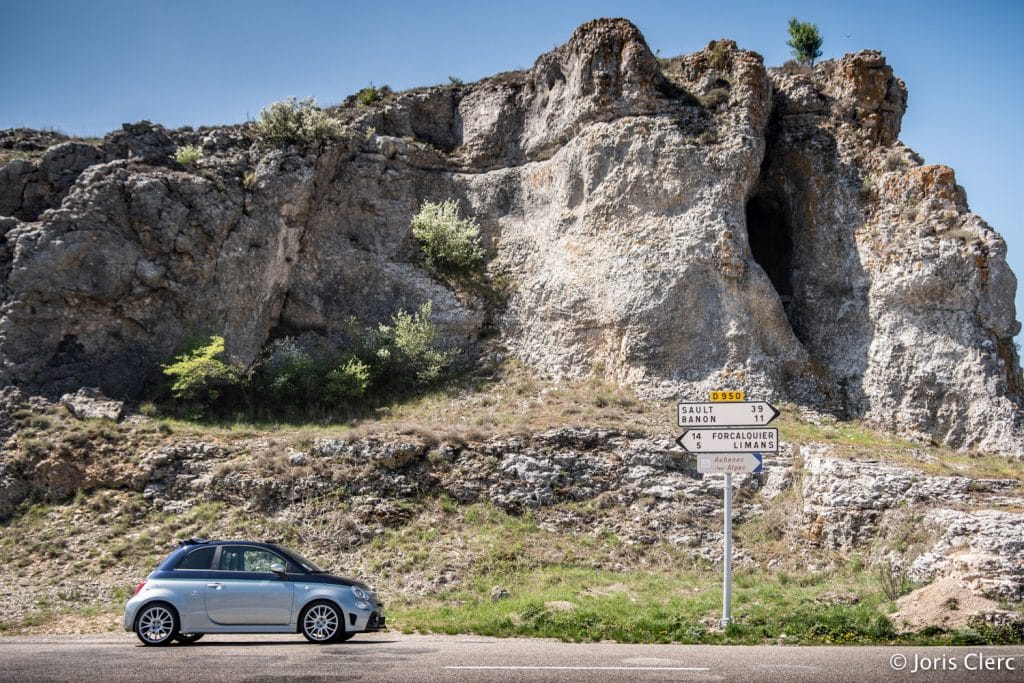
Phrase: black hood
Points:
(337, 580)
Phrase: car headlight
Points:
(359, 593)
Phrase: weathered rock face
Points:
(900, 293)
(685, 224)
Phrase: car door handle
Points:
(214, 586)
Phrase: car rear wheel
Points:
(323, 622)
(157, 624)
(188, 638)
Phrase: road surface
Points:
(399, 658)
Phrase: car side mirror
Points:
(278, 569)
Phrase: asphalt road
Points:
(397, 658)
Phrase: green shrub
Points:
(450, 244)
(292, 377)
(368, 95)
(292, 122)
(189, 155)
(406, 351)
(454, 81)
(893, 581)
(202, 375)
(349, 380)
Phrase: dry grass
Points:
(516, 400)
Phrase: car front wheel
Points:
(323, 622)
(157, 624)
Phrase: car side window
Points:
(259, 560)
(201, 558)
(236, 558)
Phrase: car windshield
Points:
(308, 565)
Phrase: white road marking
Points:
(582, 668)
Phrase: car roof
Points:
(236, 541)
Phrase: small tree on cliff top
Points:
(805, 40)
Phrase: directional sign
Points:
(752, 413)
(731, 440)
(740, 463)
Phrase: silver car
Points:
(247, 587)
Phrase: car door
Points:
(243, 591)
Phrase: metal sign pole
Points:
(727, 559)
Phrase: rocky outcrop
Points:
(891, 282)
(90, 404)
(681, 224)
(970, 528)
(981, 548)
(846, 500)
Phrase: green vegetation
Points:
(368, 95)
(406, 350)
(189, 155)
(293, 122)
(450, 244)
(201, 375)
(893, 581)
(303, 380)
(805, 40)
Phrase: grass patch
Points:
(576, 603)
(840, 433)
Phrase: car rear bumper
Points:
(129, 615)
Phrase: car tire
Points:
(323, 622)
(187, 638)
(156, 624)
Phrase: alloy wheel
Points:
(156, 625)
(320, 623)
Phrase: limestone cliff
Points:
(686, 224)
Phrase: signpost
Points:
(730, 436)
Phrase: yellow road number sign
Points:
(722, 396)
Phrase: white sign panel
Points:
(731, 440)
(739, 463)
(752, 413)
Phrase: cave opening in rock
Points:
(771, 243)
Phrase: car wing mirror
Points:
(278, 569)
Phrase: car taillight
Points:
(138, 588)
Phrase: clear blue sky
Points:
(86, 67)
